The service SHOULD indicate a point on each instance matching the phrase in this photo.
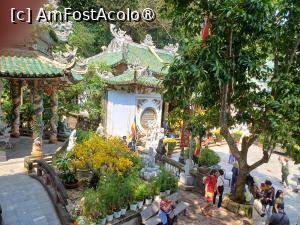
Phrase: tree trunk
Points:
(240, 185)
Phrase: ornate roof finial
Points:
(62, 30)
(65, 57)
(171, 48)
(120, 38)
(148, 41)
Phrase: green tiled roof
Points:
(136, 54)
(108, 58)
(32, 67)
(144, 57)
(127, 78)
(27, 67)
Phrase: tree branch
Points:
(263, 160)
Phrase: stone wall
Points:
(240, 209)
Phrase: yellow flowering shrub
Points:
(169, 140)
(98, 153)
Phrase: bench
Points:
(150, 215)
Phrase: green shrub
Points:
(167, 180)
(82, 135)
(208, 157)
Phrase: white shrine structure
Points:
(134, 83)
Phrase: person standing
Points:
(235, 173)
(258, 211)
(220, 187)
(279, 218)
(210, 188)
(278, 200)
(268, 197)
(284, 171)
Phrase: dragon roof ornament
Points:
(62, 30)
(148, 41)
(171, 48)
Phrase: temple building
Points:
(134, 83)
(32, 65)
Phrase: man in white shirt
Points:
(220, 188)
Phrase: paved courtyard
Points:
(24, 201)
(271, 171)
(21, 147)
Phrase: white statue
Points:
(72, 141)
(100, 130)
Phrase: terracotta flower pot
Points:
(72, 186)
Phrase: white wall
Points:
(120, 113)
(122, 108)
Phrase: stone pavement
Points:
(271, 171)
(22, 147)
(23, 199)
(219, 216)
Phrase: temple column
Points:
(38, 124)
(15, 90)
(54, 117)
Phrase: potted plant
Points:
(218, 136)
(148, 194)
(141, 194)
(170, 143)
(67, 173)
(155, 188)
(237, 134)
(173, 184)
(116, 202)
(125, 191)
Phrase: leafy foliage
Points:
(245, 72)
(208, 158)
(68, 173)
(106, 155)
(88, 93)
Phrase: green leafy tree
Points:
(246, 71)
(84, 96)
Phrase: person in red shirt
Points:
(210, 188)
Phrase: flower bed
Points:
(115, 188)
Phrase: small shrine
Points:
(134, 83)
(34, 66)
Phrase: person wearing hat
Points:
(279, 218)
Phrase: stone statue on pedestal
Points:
(63, 128)
(100, 130)
(186, 179)
(148, 154)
